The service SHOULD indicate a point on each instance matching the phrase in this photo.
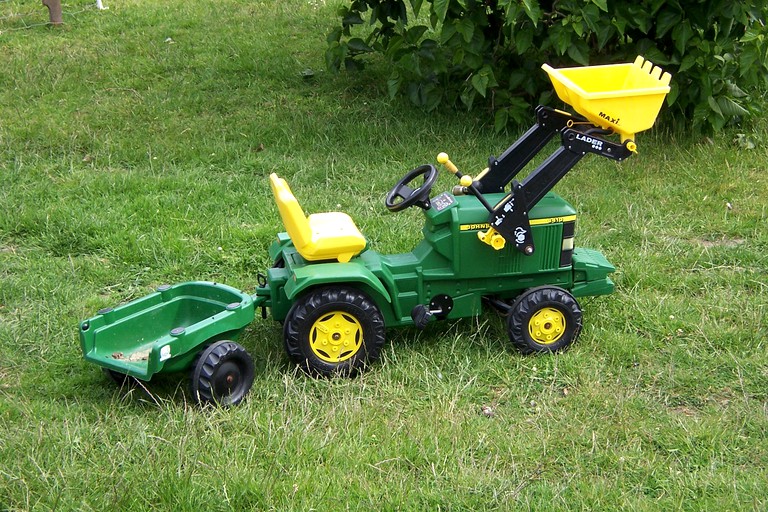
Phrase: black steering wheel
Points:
(403, 196)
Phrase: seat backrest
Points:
(294, 220)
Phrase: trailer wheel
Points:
(544, 319)
(334, 331)
(121, 379)
(222, 374)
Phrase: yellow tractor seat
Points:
(321, 236)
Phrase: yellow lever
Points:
(492, 238)
(443, 159)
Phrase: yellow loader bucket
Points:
(625, 98)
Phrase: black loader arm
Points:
(577, 138)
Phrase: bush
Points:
(487, 53)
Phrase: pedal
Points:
(438, 307)
(421, 316)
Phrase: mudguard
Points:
(333, 273)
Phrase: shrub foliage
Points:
(487, 53)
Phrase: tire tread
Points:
(301, 313)
(528, 303)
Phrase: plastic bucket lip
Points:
(570, 85)
(599, 95)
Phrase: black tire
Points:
(121, 379)
(222, 374)
(544, 319)
(336, 330)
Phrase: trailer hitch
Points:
(261, 298)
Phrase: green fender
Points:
(333, 273)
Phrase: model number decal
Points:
(533, 222)
(609, 118)
(472, 227)
(597, 144)
(553, 220)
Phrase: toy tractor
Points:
(493, 241)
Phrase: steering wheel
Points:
(403, 195)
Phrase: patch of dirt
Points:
(685, 411)
(141, 355)
(729, 243)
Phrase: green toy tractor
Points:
(492, 242)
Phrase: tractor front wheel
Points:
(336, 330)
(222, 374)
(544, 319)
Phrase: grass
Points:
(134, 149)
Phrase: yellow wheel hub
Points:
(546, 326)
(336, 337)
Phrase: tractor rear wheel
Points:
(336, 330)
(544, 319)
(222, 374)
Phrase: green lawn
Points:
(135, 145)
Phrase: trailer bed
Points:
(164, 331)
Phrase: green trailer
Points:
(492, 242)
(166, 332)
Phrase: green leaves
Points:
(523, 39)
(579, 52)
(358, 45)
(416, 6)
(414, 34)
(532, 9)
(666, 21)
(440, 8)
(483, 79)
(487, 53)
(393, 84)
(466, 28)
